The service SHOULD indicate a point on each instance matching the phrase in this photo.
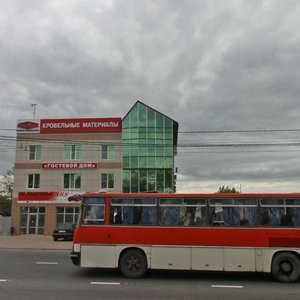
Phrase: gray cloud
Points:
(210, 65)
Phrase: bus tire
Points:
(286, 267)
(133, 263)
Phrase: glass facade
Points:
(148, 151)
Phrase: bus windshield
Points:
(93, 211)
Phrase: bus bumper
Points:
(75, 257)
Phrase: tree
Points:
(6, 192)
(226, 189)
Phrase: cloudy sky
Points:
(227, 71)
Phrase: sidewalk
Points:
(39, 242)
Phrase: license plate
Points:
(61, 231)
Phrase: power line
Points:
(241, 131)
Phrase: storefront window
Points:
(66, 216)
(32, 220)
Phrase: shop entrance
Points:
(32, 220)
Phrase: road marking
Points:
(228, 286)
(3, 280)
(105, 283)
(46, 263)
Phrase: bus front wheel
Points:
(133, 263)
(286, 267)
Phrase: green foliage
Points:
(6, 192)
(226, 189)
(5, 206)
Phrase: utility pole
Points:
(33, 109)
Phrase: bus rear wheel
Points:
(133, 263)
(286, 267)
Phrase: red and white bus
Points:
(216, 232)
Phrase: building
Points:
(57, 158)
(149, 146)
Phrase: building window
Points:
(33, 181)
(108, 152)
(72, 181)
(66, 216)
(107, 181)
(35, 152)
(73, 152)
(32, 220)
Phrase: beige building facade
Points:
(57, 158)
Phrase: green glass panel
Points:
(168, 181)
(168, 136)
(111, 152)
(126, 181)
(159, 162)
(160, 181)
(168, 123)
(134, 134)
(168, 162)
(32, 152)
(66, 181)
(78, 152)
(151, 148)
(126, 162)
(143, 181)
(143, 162)
(142, 133)
(37, 181)
(142, 115)
(143, 150)
(134, 182)
(151, 162)
(134, 117)
(30, 181)
(151, 181)
(151, 119)
(159, 121)
(134, 162)
(103, 181)
(160, 149)
(169, 150)
(134, 150)
(68, 150)
(126, 135)
(38, 152)
(126, 150)
(125, 123)
(111, 181)
(77, 181)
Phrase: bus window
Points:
(282, 212)
(130, 211)
(234, 212)
(271, 211)
(93, 211)
(184, 212)
(169, 213)
(193, 212)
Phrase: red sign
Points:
(81, 125)
(46, 197)
(28, 125)
(70, 165)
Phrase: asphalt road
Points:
(49, 274)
